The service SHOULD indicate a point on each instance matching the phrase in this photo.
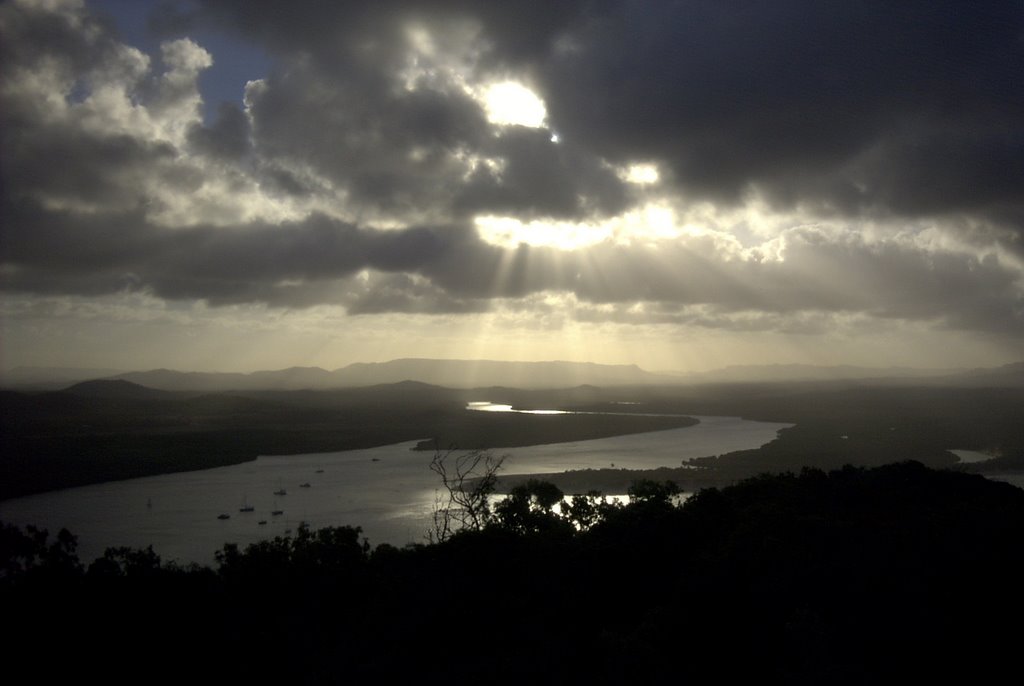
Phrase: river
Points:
(389, 491)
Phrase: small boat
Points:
(376, 459)
(305, 485)
(277, 512)
(223, 516)
(319, 471)
(280, 491)
(262, 522)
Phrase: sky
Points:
(250, 184)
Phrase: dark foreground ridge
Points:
(851, 577)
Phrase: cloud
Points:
(228, 136)
(811, 163)
(910, 108)
(536, 178)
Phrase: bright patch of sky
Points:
(641, 174)
(649, 223)
(511, 103)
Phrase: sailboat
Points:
(246, 507)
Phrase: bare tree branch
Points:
(468, 479)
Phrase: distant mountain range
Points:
(1007, 375)
(482, 373)
(117, 389)
(809, 372)
(450, 373)
(52, 378)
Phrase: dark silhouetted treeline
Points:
(857, 576)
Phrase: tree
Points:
(310, 556)
(125, 561)
(529, 507)
(649, 491)
(32, 553)
(586, 510)
(469, 480)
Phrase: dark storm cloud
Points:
(58, 148)
(399, 150)
(299, 264)
(409, 151)
(45, 160)
(875, 109)
(950, 170)
(62, 252)
(542, 179)
(913, 107)
(387, 147)
(41, 159)
(227, 137)
(519, 31)
(30, 37)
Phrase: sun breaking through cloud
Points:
(511, 103)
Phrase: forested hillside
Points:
(858, 576)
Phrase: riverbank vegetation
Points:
(849, 577)
(102, 431)
(835, 424)
(108, 432)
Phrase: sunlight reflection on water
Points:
(484, 406)
(970, 456)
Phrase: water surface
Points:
(389, 491)
(969, 456)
